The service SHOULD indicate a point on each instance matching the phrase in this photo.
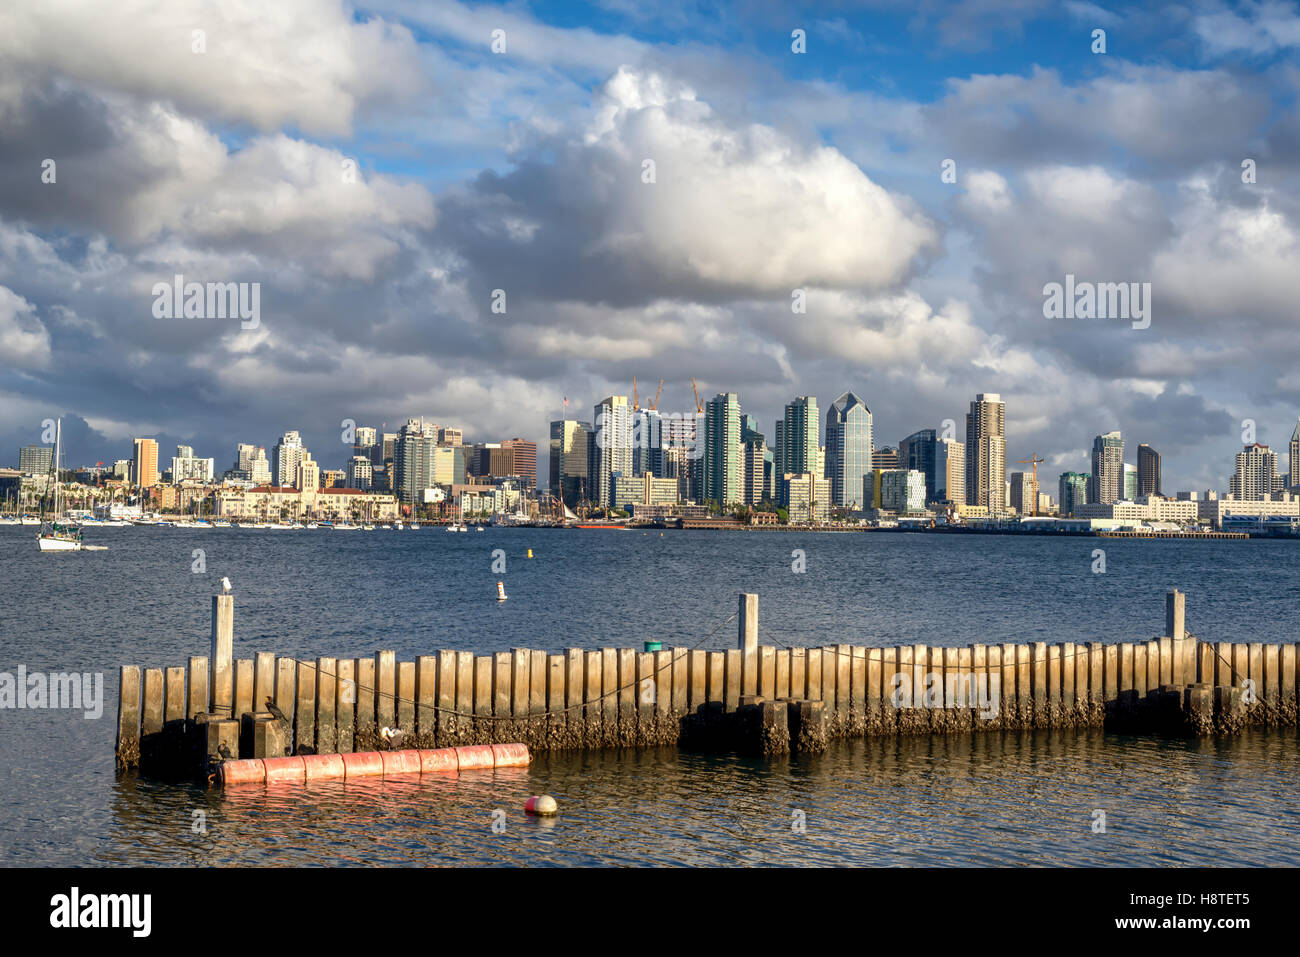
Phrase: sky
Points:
(647, 190)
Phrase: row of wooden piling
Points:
(597, 698)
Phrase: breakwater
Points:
(760, 698)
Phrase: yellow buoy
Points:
(501, 591)
(530, 553)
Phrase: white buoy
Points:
(543, 805)
(501, 591)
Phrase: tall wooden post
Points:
(747, 641)
(221, 656)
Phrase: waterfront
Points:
(995, 799)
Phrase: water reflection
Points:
(999, 799)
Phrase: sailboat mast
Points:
(58, 441)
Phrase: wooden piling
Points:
(221, 654)
(448, 730)
(405, 703)
(151, 714)
(198, 687)
(466, 728)
(664, 726)
(482, 683)
(426, 697)
(715, 679)
(244, 687)
(680, 658)
(733, 678)
(609, 696)
(520, 677)
(386, 689)
(627, 696)
(697, 685)
(304, 734)
(128, 717)
(327, 737)
(366, 727)
(345, 705)
(767, 671)
(646, 692)
(263, 679)
(857, 689)
(555, 700)
(174, 695)
(813, 675)
(781, 684)
(1024, 687)
(593, 707)
(502, 697)
(573, 720)
(747, 642)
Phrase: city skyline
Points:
(422, 173)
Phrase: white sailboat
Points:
(54, 536)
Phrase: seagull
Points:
(275, 712)
(393, 736)
(225, 586)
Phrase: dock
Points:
(757, 697)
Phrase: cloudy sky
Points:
(226, 156)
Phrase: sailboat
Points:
(55, 536)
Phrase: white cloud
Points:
(24, 341)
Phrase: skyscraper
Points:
(799, 441)
(1130, 483)
(1293, 458)
(647, 442)
(413, 460)
(525, 459)
(917, 452)
(722, 451)
(569, 460)
(286, 456)
(144, 464)
(848, 449)
(1024, 493)
(1072, 488)
(950, 471)
(35, 459)
(1107, 482)
(611, 452)
(1148, 471)
(986, 452)
(1256, 466)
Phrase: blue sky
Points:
(522, 171)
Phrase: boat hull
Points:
(58, 545)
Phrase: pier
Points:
(758, 697)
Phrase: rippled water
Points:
(1018, 798)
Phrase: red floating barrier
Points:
(323, 767)
(285, 770)
(438, 759)
(248, 771)
(475, 756)
(400, 762)
(511, 755)
(360, 764)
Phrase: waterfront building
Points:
(986, 452)
(359, 472)
(1024, 493)
(808, 497)
(949, 471)
(644, 489)
(122, 470)
(1045, 504)
(1130, 484)
(1150, 508)
(277, 502)
(144, 464)
(187, 468)
(797, 442)
(449, 467)
(611, 452)
(286, 456)
(523, 459)
(848, 449)
(35, 459)
(898, 490)
(1215, 510)
(723, 452)
(251, 464)
(1107, 482)
(918, 451)
(413, 460)
(1148, 478)
(568, 478)
(1256, 466)
(1073, 491)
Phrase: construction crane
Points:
(1035, 461)
(695, 389)
(654, 406)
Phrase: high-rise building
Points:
(950, 471)
(682, 441)
(449, 465)
(898, 490)
(569, 459)
(1148, 471)
(286, 456)
(755, 467)
(359, 472)
(144, 464)
(647, 442)
(917, 452)
(307, 478)
(1072, 489)
(1130, 482)
(524, 459)
(1107, 482)
(1024, 493)
(35, 459)
(185, 467)
(450, 437)
(797, 442)
(848, 449)
(808, 497)
(885, 457)
(610, 453)
(986, 452)
(1256, 466)
(413, 461)
(723, 482)
(1293, 458)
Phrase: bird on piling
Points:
(392, 736)
(275, 712)
(225, 586)
(224, 751)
